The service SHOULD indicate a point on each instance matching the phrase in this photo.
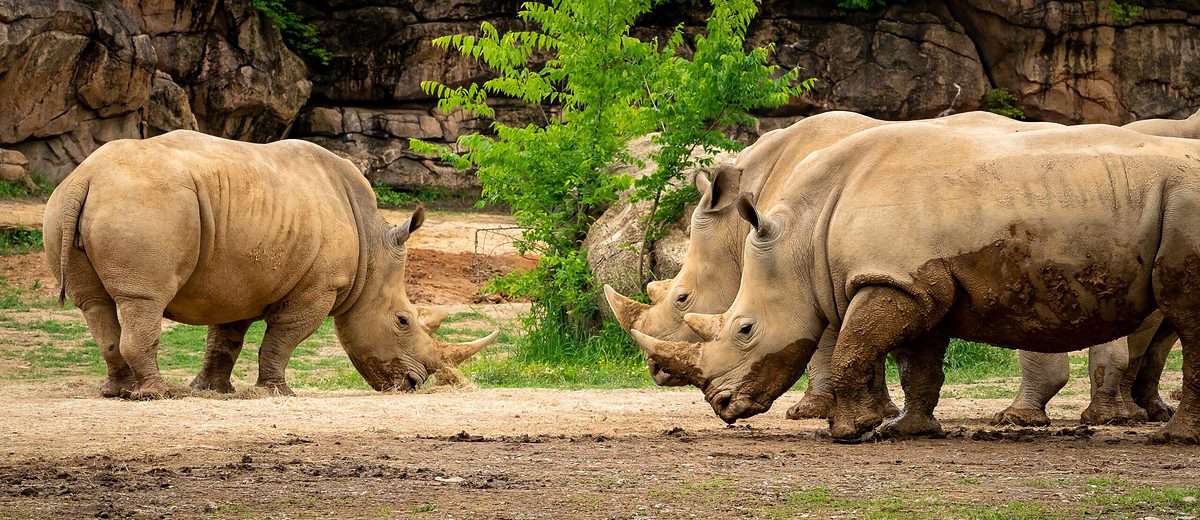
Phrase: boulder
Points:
(14, 167)
(169, 107)
(614, 241)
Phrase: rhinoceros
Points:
(904, 235)
(716, 246)
(208, 231)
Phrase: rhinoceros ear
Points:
(745, 207)
(723, 189)
(398, 235)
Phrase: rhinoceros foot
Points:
(811, 406)
(276, 388)
(887, 408)
(1121, 412)
(1178, 432)
(205, 384)
(118, 387)
(853, 427)
(150, 389)
(1157, 409)
(1021, 417)
(911, 425)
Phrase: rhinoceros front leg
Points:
(1042, 376)
(817, 402)
(879, 320)
(224, 346)
(921, 375)
(285, 330)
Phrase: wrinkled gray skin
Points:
(1054, 240)
(207, 231)
(706, 284)
(1124, 383)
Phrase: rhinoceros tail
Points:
(72, 208)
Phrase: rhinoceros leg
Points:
(921, 375)
(1145, 390)
(1112, 371)
(879, 320)
(102, 321)
(304, 313)
(224, 346)
(817, 402)
(141, 325)
(1042, 376)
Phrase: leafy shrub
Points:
(1001, 101)
(299, 35)
(861, 5)
(558, 176)
(1124, 12)
(389, 197)
(17, 241)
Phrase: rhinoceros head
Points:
(755, 350)
(389, 339)
(708, 279)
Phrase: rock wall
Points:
(77, 73)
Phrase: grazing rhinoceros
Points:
(204, 230)
(707, 283)
(902, 236)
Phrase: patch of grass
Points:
(968, 361)
(425, 508)
(392, 198)
(19, 240)
(1171, 500)
(982, 391)
(820, 502)
(16, 190)
(548, 360)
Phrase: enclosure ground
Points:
(528, 453)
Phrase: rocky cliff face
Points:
(77, 73)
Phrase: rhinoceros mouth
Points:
(396, 374)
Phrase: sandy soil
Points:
(522, 453)
(21, 213)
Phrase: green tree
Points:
(598, 88)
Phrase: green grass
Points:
(19, 241)
(16, 190)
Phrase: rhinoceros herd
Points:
(828, 245)
(841, 239)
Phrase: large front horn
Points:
(627, 311)
(678, 358)
(454, 354)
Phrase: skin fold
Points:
(208, 231)
(1054, 240)
(707, 282)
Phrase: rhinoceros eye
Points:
(681, 298)
(745, 329)
(402, 320)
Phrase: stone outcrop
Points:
(14, 167)
(76, 74)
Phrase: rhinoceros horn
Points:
(657, 290)
(431, 318)
(678, 358)
(454, 354)
(627, 311)
(707, 326)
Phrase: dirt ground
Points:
(544, 453)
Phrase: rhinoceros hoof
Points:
(118, 387)
(1176, 432)
(848, 428)
(279, 389)
(1021, 417)
(212, 385)
(811, 406)
(911, 425)
(1096, 415)
(1158, 410)
(151, 389)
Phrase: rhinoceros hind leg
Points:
(879, 320)
(1042, 376)
(921, 375)
(224, 346)
(1112, 371)
(141, 324)
(102, 321)
(1145, 389)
